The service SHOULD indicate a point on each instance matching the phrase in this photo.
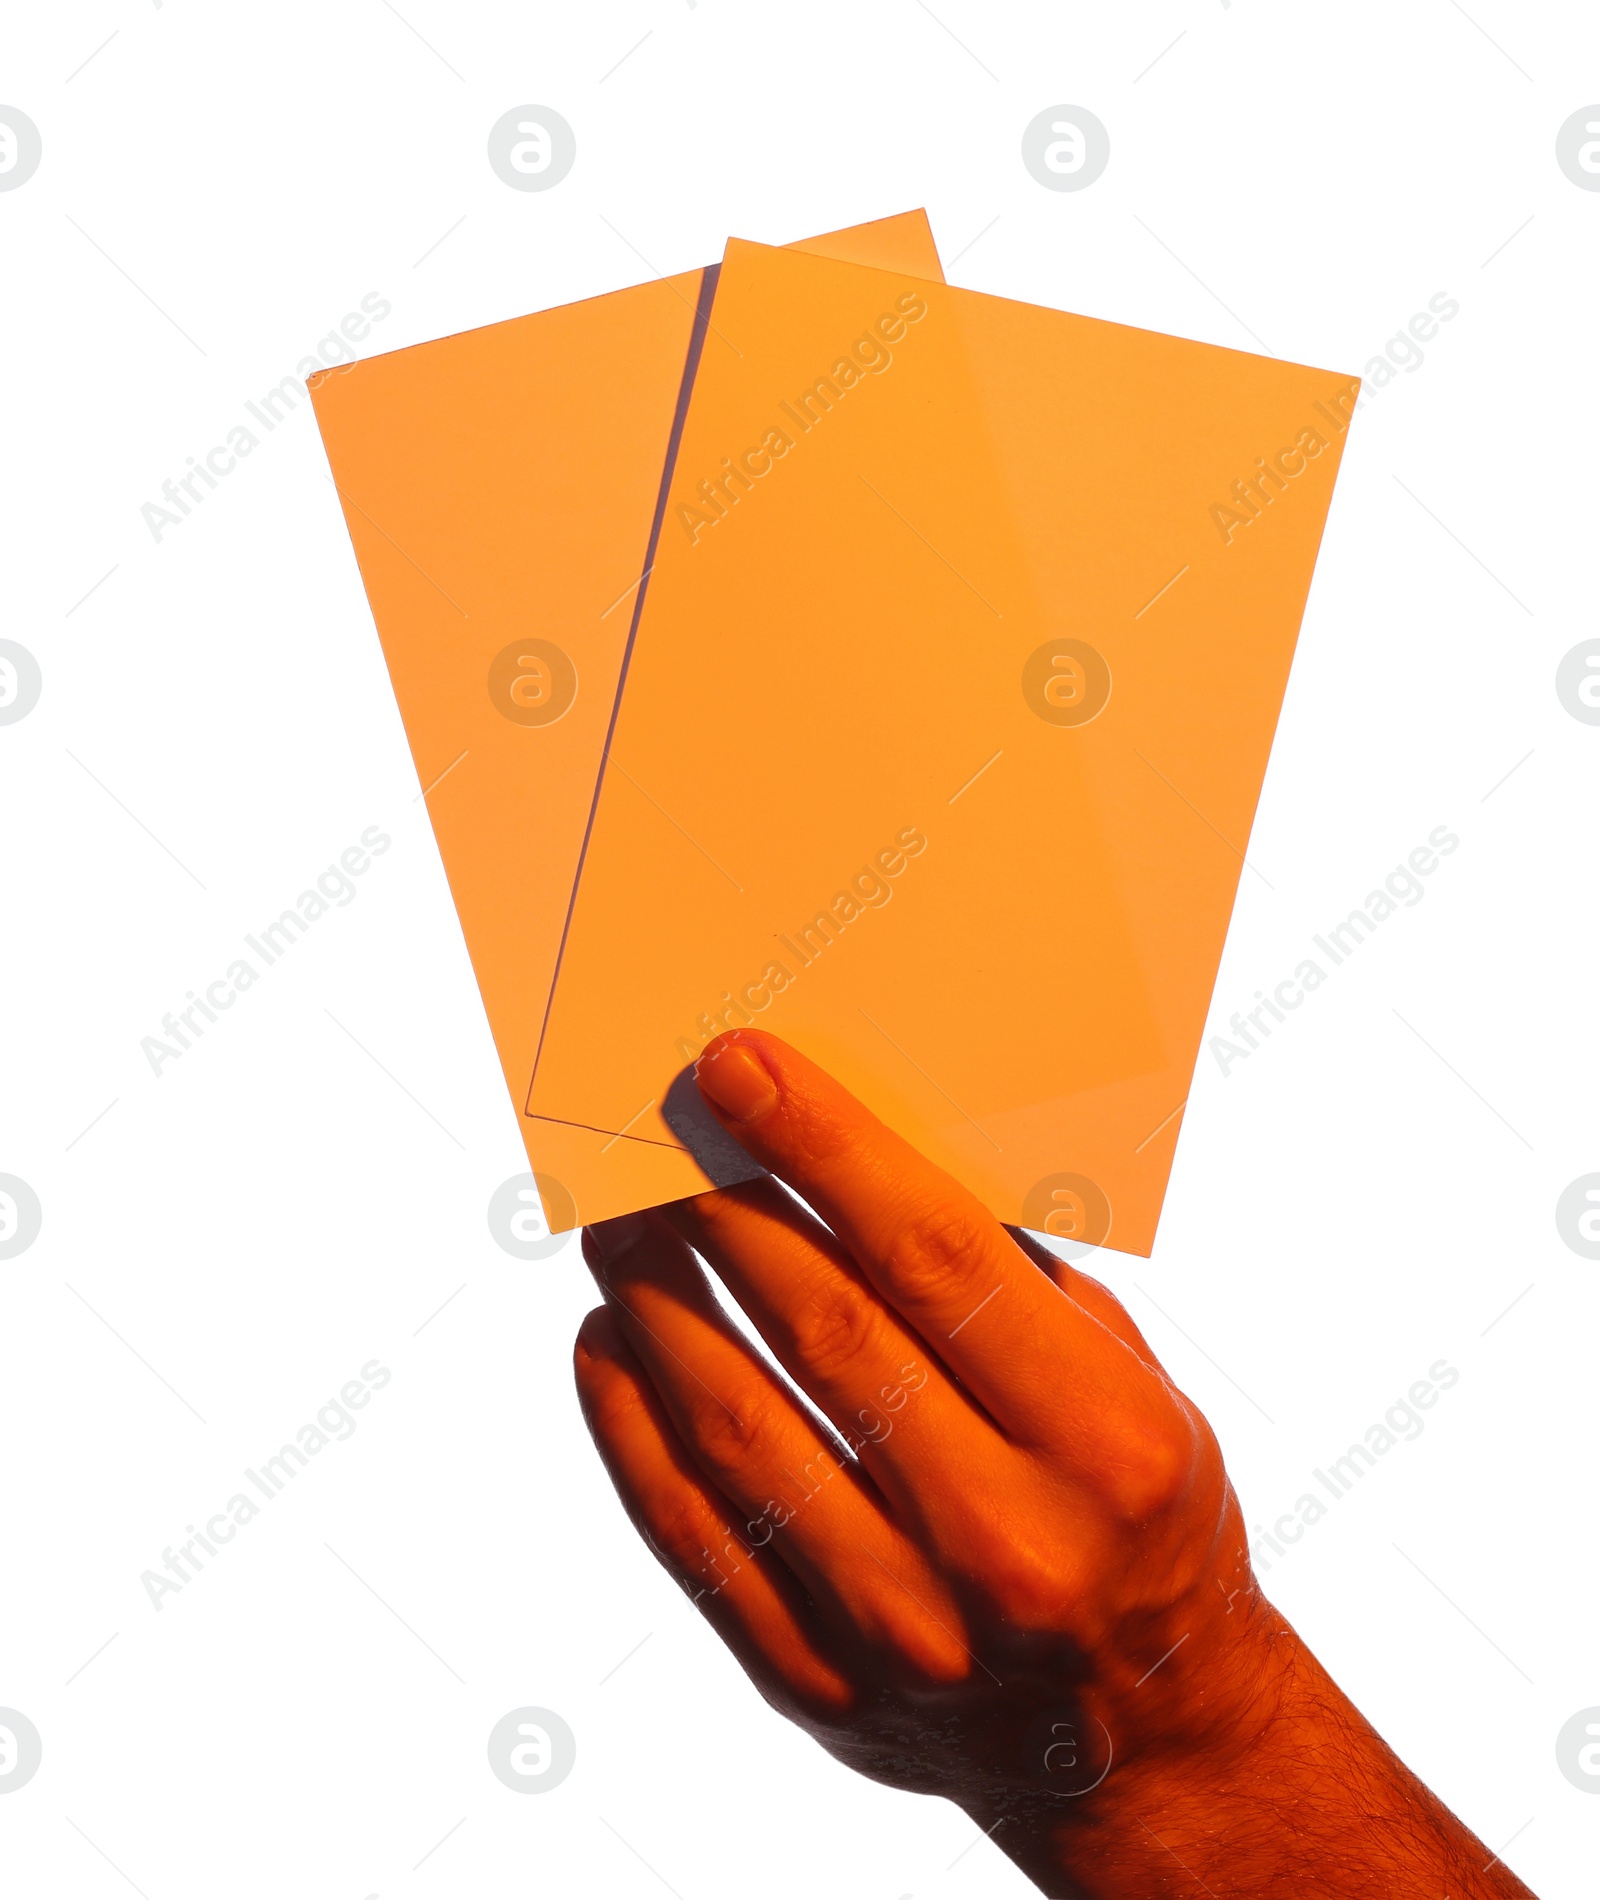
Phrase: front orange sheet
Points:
(944, 727)
(500, 488)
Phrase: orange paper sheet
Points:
(501, 489)
(943, 729)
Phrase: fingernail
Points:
(614, 1237)
(735, 1079)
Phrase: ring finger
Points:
(802, 1492)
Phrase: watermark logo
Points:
(1578, 1216)
(1066, 148)
(1578, 682)
(1577, 148)
(531, 148)
(20, 1750)
(532, 1750)
(521, 1213)
(20, 148)
(20, 682)
(20, 1216)
(1068, 1752)
(182, 1028)
(185, 1558)
(1401, 1423)
(1066, 682)
(532, 682)
(1068, 1207)
(1254, 493)
(1402, 889)
(869, 356)
(1577, 1749)
(1404, 349)
(334, 355)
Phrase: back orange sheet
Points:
(501, 488)
(944, 727)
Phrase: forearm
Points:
(1313, 1802)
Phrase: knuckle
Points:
(811, 1694)
(680, 1532)
(815, 1131)
(1151, 1471)
(834, 1330)
(939, 1246)
(696, 1546)
(906, 1611)
(924, 1650)
(742, 1434)
(1025, 1588)
(823, 1147)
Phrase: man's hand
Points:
(1014, 1572)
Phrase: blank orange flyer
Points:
(944, 726)
(500, 489)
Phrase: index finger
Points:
(927, 1244)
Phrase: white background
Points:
(231, 1241)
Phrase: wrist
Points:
(1164, 1753)
(1262, 1778)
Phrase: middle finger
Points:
(890, 1396)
